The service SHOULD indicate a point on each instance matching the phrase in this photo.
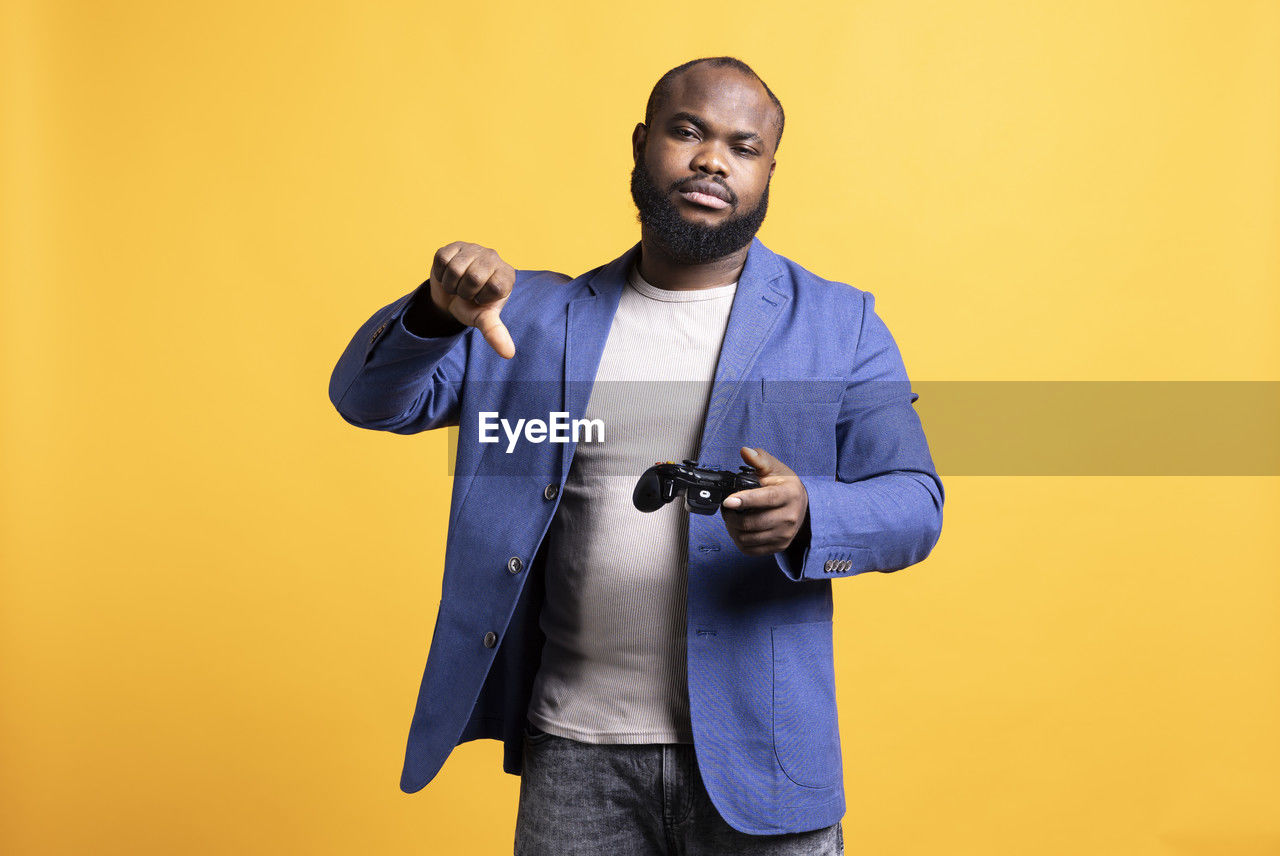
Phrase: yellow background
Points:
(217, 595)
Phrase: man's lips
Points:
(704, 200)
(705, 193)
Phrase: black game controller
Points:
(703, 489)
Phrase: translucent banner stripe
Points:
(1034, 428)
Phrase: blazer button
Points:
(514, 565)
(377, 333)
(490, 639)
(830, 566)
(551, 491)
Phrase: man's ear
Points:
(637, 141)
(772, 165)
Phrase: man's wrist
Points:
(799, 546)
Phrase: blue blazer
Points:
(808, 372)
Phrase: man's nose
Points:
(711, 160)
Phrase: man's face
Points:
(702, 167)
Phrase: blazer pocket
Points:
(806, 734)
(795, 392)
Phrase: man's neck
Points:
(660, 270)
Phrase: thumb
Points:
(764, 463)
(496, 334)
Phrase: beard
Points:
(685, 241)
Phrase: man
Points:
(662, 682)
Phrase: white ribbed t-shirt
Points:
(613, 669)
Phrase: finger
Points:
(444, 255)
(766, 496)
(780, 520)
(754, 458)
(496, 334)
(764, 463)
(771, 540)
(760, 546)
(497, 286)
(754, 544)
(471, 280)
(456, 266)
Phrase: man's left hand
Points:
(766, 519)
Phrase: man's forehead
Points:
(723, 95)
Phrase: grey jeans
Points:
(633, 800)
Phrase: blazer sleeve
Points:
(389, 379)
(882, 510)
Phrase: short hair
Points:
(662, 89)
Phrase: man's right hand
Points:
(472, 283)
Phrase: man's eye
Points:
(742, 150)
(685, 132)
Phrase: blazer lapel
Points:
(588, 320)
(757, 305)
